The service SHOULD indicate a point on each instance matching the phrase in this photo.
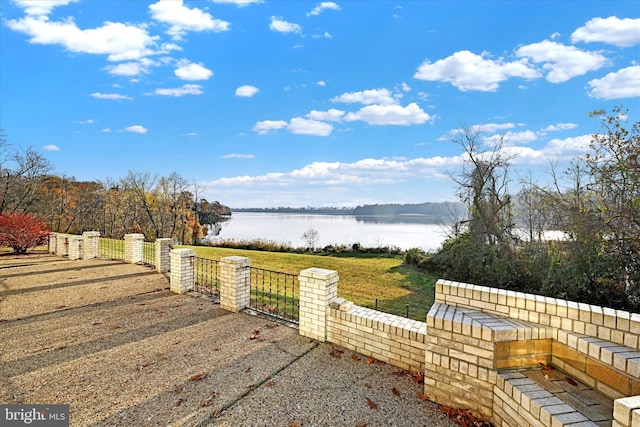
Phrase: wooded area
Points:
(594, 205)
(167, 206)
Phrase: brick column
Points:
(52, 243)
(133, 248)
(62, 244)
(91, 242)
(235, 276)
(182, 279)
(317, 288)
(163, 260)
(75, 247)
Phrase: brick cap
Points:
(319, 273)
(183, 251)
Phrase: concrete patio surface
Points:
(109, 339)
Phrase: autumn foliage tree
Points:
(21, 232)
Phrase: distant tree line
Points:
(594, 204)
(157, 206)
(444, 211)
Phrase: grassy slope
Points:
(363, 278)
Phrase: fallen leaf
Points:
(178, 389)
(395, 391)
(205, 403)
(197, 377)
(58, 307)
(372, 361)
(247, 370)
(571, 381)
(361, 425)
(367, 385)
(294, 424)
(371, 404)
(418, 377)
(271, 383)
(336, 353)
(546, 367)
(356, 357)
(271, 325)
(400, 373)
(160, 310)
(423, 396)
(179, 402)
(62, 347)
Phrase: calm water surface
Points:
(404, 232)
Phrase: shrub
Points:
(21, 232)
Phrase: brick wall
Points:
(391, 339)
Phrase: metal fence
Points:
(149, 253)
(275, 294)
(110, 248)
(206, 277)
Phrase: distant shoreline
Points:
(428, 209)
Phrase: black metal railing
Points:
(149, 253)
(275, 294)
(206, 280)
(110, 248)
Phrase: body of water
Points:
(404, 232)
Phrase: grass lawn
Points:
(363, 277)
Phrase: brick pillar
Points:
(133, 248)
(235, 276)
(182, 279)
(91, 242)
(317, 288)
(75, 247)
(52, 243)
(163, 259)
(62, 244)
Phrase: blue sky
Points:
(305, 103)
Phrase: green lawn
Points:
(363, 277)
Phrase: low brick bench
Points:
(484, 347)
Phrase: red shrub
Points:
(21, 232)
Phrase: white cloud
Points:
(41, 7)
(301, 126)
(187, 89)
(113, 96)
(412, 114)
(119, 41)
(239, 3)
(247, 91)
(511, 138)
(562, 62)
(324, 35)
(612, 30)
(559, 127)
(331, 115)
(468, 71)
(131, 68)
(325, 5)
(182, 18)
(281, 26)
(624, 83)
(51, 147)
(321, 83)
(367, 97)
(238, 156)
(191, 71)
(265, 126)
(85, 122)
(567, 147)
(136, 129)
(105, 130)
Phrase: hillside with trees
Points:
(157, 206)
